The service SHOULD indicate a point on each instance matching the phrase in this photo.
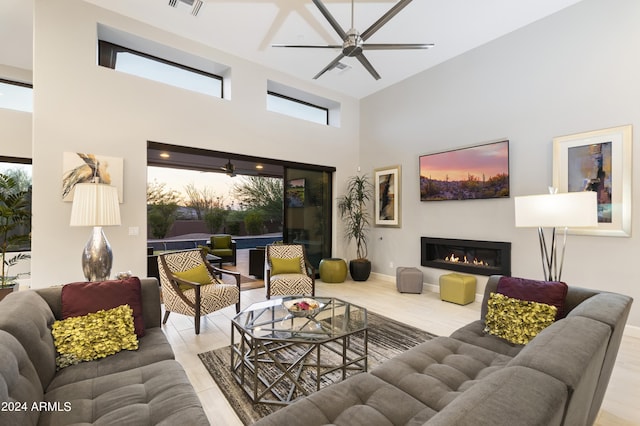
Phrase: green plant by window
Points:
(15, 215)
(356, 217)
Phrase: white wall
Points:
(81, 107)
(573, 72)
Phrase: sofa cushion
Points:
(153, 347)
(94, 336)
(157, 394)
(515, 320)
(362, 399)
(439, 370)
(572, 351)
(474, 334)
(19, 384)
(26, 316)
(87, 297)
(512, 396)
(547, 292)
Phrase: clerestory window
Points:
(147, 66)
(297, 108)
(15, 95)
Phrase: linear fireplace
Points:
(471, 256)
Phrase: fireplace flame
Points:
(456, 259)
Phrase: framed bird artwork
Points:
(78, 167)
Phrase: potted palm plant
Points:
(352, 207)
(14, 220)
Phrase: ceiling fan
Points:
(353, 42)
(229, 169)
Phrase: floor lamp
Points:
(97, 205)
(566, 210)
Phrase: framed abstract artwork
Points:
(387, 196)
(471, 173)
(78, 167)
(598, 161)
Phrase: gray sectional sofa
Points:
(474, 378)
(142, 387)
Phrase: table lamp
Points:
(97, 205)
(553, 210)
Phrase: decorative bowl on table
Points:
(303, 307)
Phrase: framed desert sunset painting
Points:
(476, 172)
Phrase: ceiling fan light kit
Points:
(354, 43)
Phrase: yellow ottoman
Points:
(458, 288)
(333, 270)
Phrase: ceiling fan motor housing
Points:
(352, 45)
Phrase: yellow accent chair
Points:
(190, 285)
(288, 271)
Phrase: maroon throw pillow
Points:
(83, 298)
(549, 292)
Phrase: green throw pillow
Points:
(515, 320)
(285, 266)
(94, 336)
(199, 274)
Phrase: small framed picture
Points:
(598, 161)
(295, 192)
(387, 196)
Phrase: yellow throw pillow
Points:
(199, 274)
(94, 336)
(515, 320)
(285, 266)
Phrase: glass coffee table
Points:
(279, 357)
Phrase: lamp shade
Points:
(95, 204)
(571, 209)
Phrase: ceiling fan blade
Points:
(310, 46)
(368, 66)
(396, 46)
(328, 67)
(331, 19)
(383, 20)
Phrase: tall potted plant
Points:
(14, 219)
(352, 207)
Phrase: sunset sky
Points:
(178, 178)
(489, 160)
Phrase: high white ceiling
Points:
(247, 28)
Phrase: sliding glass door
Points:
(307, 211)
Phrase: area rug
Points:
(387, 338)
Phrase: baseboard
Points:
(632, 331)
(433, 288)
